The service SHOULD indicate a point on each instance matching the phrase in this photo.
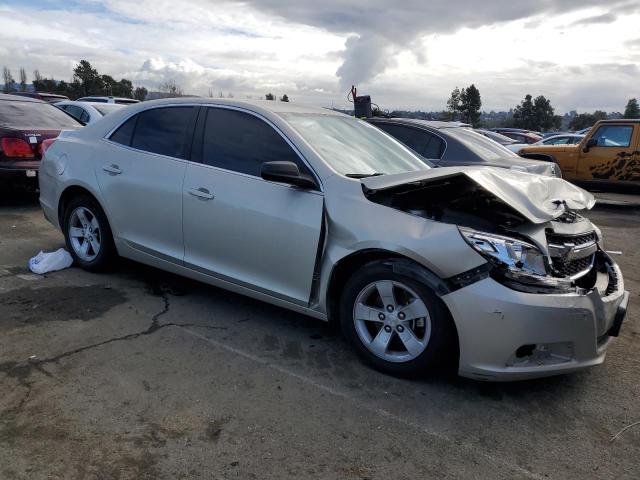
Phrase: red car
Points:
(47, 97)
(25, 123)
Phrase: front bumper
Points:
(505, 334)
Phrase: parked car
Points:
(326, 215)
(520, 136)
(121, 100)
(561, 139)
(88, 112)
(584, 131)
(47, 97)
(506, 142)
(25, 125)
(448, 144)
(608, 154)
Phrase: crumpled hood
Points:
(538, 198)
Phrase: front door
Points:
(612, 158)
(140, 173)
(238, 227)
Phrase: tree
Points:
(535, 114)
(140, 93)
(36, 75)
(465, 104)
(585, 120)
(632, 110)
(23, 80)
(284, 98)
(88, 77)
(170, 87)
(270, 96)
(454, 103)
(470, 103)
(8, 80)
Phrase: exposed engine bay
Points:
(569, 256)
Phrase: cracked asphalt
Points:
(137, 374)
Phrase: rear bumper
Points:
(22, 171)
(509, 335)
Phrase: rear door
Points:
(612, 158)
(238, 227)
(140, 172)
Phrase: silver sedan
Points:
(491, 271)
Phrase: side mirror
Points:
(592, 142)
(286, 172)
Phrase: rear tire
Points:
(396, 322)
(88, 235)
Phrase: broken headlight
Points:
(517, 261)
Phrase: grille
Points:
(573, 267)
(567, 246)
(577, 240)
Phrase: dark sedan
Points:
(452, 144)
(25, 123)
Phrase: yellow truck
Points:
(609, 153)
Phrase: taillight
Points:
(46, 144)
(16, 148)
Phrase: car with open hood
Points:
(490, 270)
(449, 144)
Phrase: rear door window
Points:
(241, 142)
(74, 111)
(165, 131)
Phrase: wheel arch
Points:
(346, 266)
(71, 192)
(400, 264)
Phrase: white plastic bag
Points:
(49, 262)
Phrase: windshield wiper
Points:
(363, 175)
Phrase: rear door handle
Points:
(202, 193)
(113, 168)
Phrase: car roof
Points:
(20, 98)
(618, 120)
(83, 102)
(437, 124)
(274, 106)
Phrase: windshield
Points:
(353, 147)
(34, 115)
(105, 108)
(482, 146)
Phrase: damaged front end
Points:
(525, 227)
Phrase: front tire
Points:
(395, 321)
(88, 234)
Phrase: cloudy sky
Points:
(582, 54)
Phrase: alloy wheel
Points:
(85, 234)
(392, 321)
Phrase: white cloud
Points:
(577, 52)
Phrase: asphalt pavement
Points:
(137, 374)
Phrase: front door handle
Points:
(202, 193)
(113, 168)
